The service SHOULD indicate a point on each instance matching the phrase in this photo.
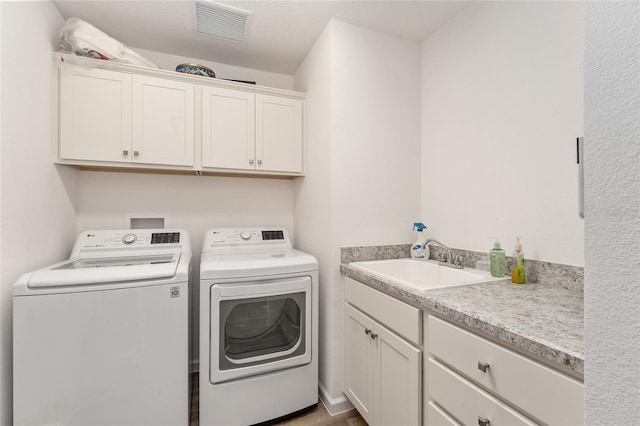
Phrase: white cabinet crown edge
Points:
(63, 59)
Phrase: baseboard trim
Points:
(334, 405)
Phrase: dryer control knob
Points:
(245, 235)
(129, 238)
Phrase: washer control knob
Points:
(245, 235)
(129, 238)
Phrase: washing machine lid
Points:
(115, 259)
(257, 263)
(112, 269)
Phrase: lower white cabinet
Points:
(470, 404)
(436, 416)
(466, 379)
(382, 370)
(477, 381)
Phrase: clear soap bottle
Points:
(498, 260)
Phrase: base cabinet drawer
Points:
(467, 402)
(400, 317)
(544, 393)
(437, 417)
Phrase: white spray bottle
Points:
(417, 251)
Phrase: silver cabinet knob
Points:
(125, 152)
(374, 336)
(136, 153)
(259, 161)
(251, 161)
(483, 421)
(483, 366)
(367, 331)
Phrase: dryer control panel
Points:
(257, 238)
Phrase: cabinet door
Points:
(228, 129)
(398, 379)
(163, 121)
(278, 134)
(359, 359)
(95, 115)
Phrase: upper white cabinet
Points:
(114, 115)
(228, 129)
(163, 122)
(278, 134)
(95, 115)
(246, 131)
(110, 116)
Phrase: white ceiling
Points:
(279, 35)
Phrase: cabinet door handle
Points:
(367, 331)
(483, 366)
(483, 421)
(251, 161)
(374, 336)
(136, 153)
(125, 152)
(259, 161)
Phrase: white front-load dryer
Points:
(258, 327)
(102, 338)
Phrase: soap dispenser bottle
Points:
(498, 260)
(417, 251)
(518, 272)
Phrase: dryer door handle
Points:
(248, 290)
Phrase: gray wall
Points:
(612, 212)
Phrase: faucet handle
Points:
(458, 260)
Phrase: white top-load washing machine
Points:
(102, 338)
(258, 327)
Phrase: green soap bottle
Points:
(498, 260)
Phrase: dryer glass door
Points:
(261, 326)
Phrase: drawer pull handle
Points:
(482, 421)
(125, 152)
(483, 366)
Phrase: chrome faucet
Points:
(449, 261)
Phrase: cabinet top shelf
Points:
(63, 59)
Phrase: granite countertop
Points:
(539, 319)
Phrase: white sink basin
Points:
(423, 274)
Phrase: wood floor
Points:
(318, 416)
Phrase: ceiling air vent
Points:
(225, 22)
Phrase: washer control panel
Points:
(129, 238)
(246, 237)
(112, 239)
